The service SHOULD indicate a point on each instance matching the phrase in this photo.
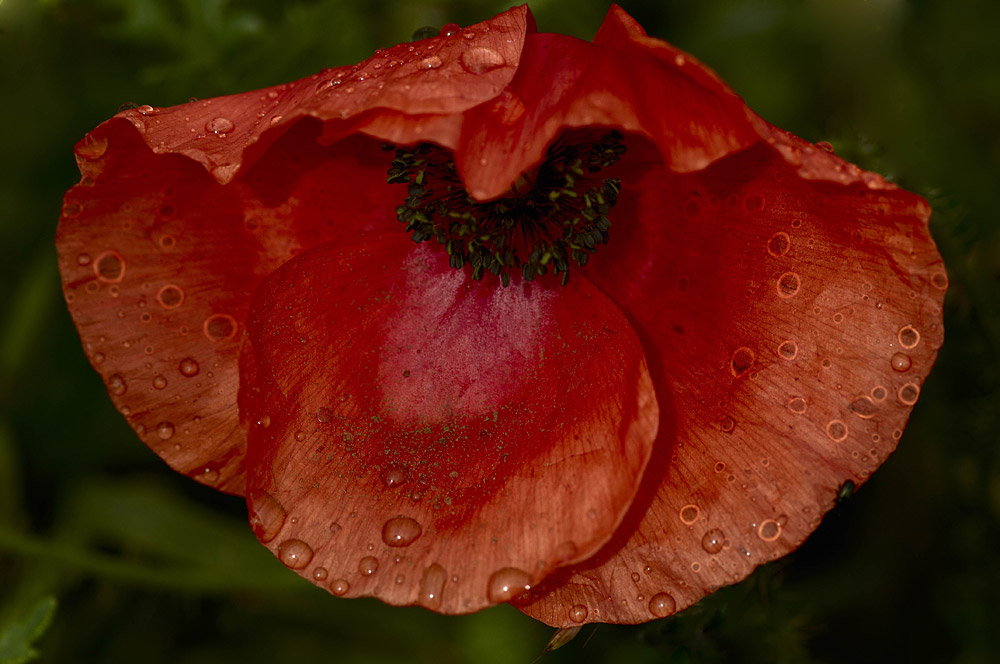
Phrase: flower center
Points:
(555, 214)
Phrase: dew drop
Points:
(188, 367)
(836, 430)
(394, 477)
(400, 531)
(797, 405)
(788, 285)
(878, 393)
(159, 382)
(635, 577)
(450, 29)
(753, 203)
(741, 361)
(863, 407)
(689, 514)
(165, 430)
(769, 530)
(219, 327)
(368, 565)
(220, 125)
(908, 336)
(295, 553)
(267, 516)
(908, 394)
(939, 280)
(578, 613)
(117, 385)
(779, 244)
(662, 605)
(320, 573)
(788, 350)
(432, 586)
(91, 147)
(900, 362)
(506, 584)
(83, 259)
(110, 267)
(430, 62)
(713, 541)
(170, 296)
(481, 60)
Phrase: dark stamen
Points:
(548, 218)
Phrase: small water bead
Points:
(400, 531)
(788, 350)
(295, 553)
(320, 573)
(159, 382)
(836, 430)
(713, 541)
(450, 29)
(769, 530)
(324, 415)
(170, 296)
(879, 393)
(400, 579)
(481, 60)
(368, 565)
(900, 362)
(939, 280)
(335, 527)
(267, 516)
(908, 336)
(662, 605)
(117, 385)
(219, 327)
(779, 244)
(393, 477)
(432, 586)
(83, 259)
(339, 587)
(797, 405)
(220, 125)
(689, 514)
(753, 203)
(578, 613)
(188, 367)
(908, 394)
(788, 285)
(430, 62)
(506, 584)
(863, 407)
(109, 267)
(635, 577)
(741, 361)
(165, 430)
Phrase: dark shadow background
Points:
(150, 567)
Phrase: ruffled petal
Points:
(789, 325)
(159, 263)
(624, 80)
(429, 439)
(406, 93)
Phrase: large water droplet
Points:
(188, 367)
(339, 587)
(165, 430)
(713, 541)
(220, 125)
(430, 62)
(662, 605)
(91, 147)
(267, 516)
(578, 613)
(506, 584)
(320, 573)
(295, 553)
(432, 586)
(900, 362)
(400, 531)
(481, 60)
(368, 565)
(394, 477)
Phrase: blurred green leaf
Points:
(17, 638)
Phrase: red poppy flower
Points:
(587, 325)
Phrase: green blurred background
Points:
(150, 567)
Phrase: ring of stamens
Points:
(552, 216)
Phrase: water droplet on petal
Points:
(689, 514)
(788, 285)
(432, 586)
(220, 125)
(779, 244)
(368, 565)
(430, 62)
(188, 367)
(769, 530)
(900, 362)
(117, 385)
(394, 477)
(159, 382)
(797, 405)
(863, 407)
(836, 430)
(320, 573)
(449, 29)
(481, 60)
(267, 516)
(170, 296)
(908, 394)
(713, 541)
(91, 147)
(506, 584)
(662, 605)
(219, 327)
(339, 587)
(741, 361)
(295, 553)
(400, 531)
(788, 350)
(578, 613)
(110, 267)
(908, 336)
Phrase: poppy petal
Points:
(159, 264)
(406, 93)
(429, 439)
(789, 325)
(623, 79)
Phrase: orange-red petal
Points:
(789, 325)
(429, 439)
